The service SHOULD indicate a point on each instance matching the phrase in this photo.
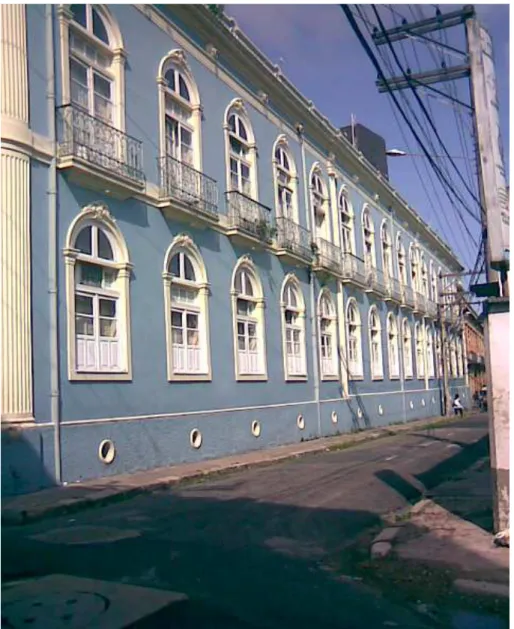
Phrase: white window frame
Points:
(318, 194)
(387, 250)
(354, 332)
(327, 311)
(414, 267)
(246, 264)
(291, 283)
(403, 276)
(115, 52)
(375, 334)
(393, 346)
(438, 355)
(368, 238)
(424, 281)
(176, 61)
(430, 351)
(460, 358)
(433, 284)
(99, 217)
(281, 147)
(419, 350)
(238, 108)
(183, 244)
(346, 211)
(408, 367)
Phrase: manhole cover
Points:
(85, 535)
(59, 601)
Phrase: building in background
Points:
(195, 262)
(475, 348)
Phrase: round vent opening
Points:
(300, 422)
(256, 428)
(195, 438)
(106, 451)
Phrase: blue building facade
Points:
(196, 262)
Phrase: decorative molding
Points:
(98, 212)
(263, 97)
(212, 51)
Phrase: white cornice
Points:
(244, 57)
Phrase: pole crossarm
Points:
(424, 26)
(440, 75)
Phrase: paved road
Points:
(248, 547)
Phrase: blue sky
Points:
(318, 51)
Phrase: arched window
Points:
(319, 201)
(387, 253)
(402, 264)
(407, 348)
(430, 352)
(354, 340)
(180, 116)
(433, 284)
(453, 359)
(368, 238)
(293, 329)
(285, 181)
(241, 151)
(375, 344)
(93, 77)
(97, 285)
(186, 293)
(393, 346)
(424, 277)
(419, 344)
(248, 314)
(438, 355)
(346, 215)
(414, 266)
(328, 337)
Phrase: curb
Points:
(19, 516)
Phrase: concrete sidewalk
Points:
(76, 496)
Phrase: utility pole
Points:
(447, 405)
(477, 64)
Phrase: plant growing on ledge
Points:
(265, 231)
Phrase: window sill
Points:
(395, 377)
(374, 378)
(296, 378)
(356, 377)
(251, 377)
(408, 377)
(96, 376)
(330, 378)
(186, 377)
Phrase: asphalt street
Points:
(247, 548)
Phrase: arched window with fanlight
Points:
(241, 151)
(186, 292)
(402, 262)
(434, 292)
(97, 271)
(430, 351)
(424, 277)
(347, 218)
(93, 71)
(354, 340)
(420, 350)
(414, 266)
(327, 336)
(407, 348)
(293, 329)
(375, 344)
(393, 346)
(319, 202)
(285, 181)
(368, 238)
(248, 316)
(387, 250)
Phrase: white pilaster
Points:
(16, 333)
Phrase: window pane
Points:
(176, 318)
(175, 265)
(290, 317)
(99, 29)
(177, 336)
(240, 327)
(83, 241)
(102, 86)
(107, 307)
(83, 304)
(232, 123)
(79, 13)
(192, 338)
(84, 326)
(242, 130)
(104, 247)
(189, 272)
(90, 274)
(241, 344)
(183, 89)
(192, 321)
(108, 328)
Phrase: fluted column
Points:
(16, 334)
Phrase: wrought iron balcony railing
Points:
(375, 280)
(186, 184)
(394, 288)
(421, 302)
(408, 298)
(327, 255)
(249, 216)
(353, 269)
(431, 308)
(293, 238)
(99, 144)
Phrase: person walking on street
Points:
(457, 405)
